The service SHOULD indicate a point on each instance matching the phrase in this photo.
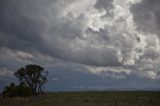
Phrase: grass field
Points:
(96, 98)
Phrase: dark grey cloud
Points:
(33, 24)
(22, 24)
(103, 4)
(146, 15)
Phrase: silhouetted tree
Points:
(33, 76)
(19, 90)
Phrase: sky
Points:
(83, 44)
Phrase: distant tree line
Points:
(31, 81)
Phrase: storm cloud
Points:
(111, 39)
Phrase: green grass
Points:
(101, 99)
(98, 98)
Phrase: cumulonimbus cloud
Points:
(101, 33)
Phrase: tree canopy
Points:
(34, 76)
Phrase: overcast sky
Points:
(84, 44)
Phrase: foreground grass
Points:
(123, 98)
(18, 101)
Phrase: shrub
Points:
(17, 90)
